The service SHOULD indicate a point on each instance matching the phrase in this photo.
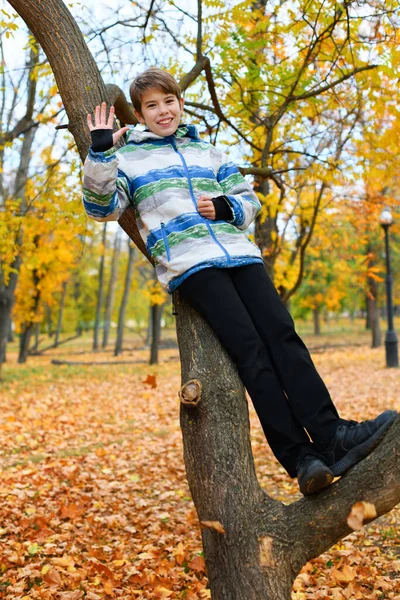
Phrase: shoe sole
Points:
(356, 454)
(317, 483)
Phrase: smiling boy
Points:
(193, 207)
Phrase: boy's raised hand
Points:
(102, 122)
(206, 207)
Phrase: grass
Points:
(39, 370)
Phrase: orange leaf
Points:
(360, 512)
(198, 564)
(52, 578)
(151, 380)
(108, 587)
(71, 510)
(213, 525)
(75, 595)
(346, 575)
(163, 592)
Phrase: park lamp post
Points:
(392, 357)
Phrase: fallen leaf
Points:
(75, 595)
(163, 592)
(346, 575)
(52, 578)
(151, 380)
(198, 564)
(359, 514)
(213, 525)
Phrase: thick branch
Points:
(193, 73)
(321, 521)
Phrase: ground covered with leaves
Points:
(94, 500)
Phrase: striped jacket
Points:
(162, 178)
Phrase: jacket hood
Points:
(137, 136)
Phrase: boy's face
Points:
(160, 112)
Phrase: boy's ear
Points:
(138, 116)
(182, 103)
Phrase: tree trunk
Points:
(29, 326)
(265, 543)
(6, 304)
(35, 346)
(317, 321)
(7, 289)
(264, 231)
(156, 316)
(24, 341)
(124, 301)
(367, 314)
(149, 327)
(77, 294)
(111, 289)
(372, 306)
(60, 313)
(100, 291)
(375, 327)
(10, 337)
(48, 321)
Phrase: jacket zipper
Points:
(195, 203)
(164, 235)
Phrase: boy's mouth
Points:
(165, 121)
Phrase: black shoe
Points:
(354, 441)
(313, 475)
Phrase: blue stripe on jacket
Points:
(96, 210)
(226, 170)
(180, 223)
(173, 172)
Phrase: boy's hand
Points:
(101, 121)
(206, 207)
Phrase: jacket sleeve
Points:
(106, 191)
(238, 192)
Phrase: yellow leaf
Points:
(346, 575)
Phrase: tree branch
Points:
(321, 521)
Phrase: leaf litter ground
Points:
(94, 500)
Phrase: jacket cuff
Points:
(102, 139)
(223, 211)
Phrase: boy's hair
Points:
(152, 78)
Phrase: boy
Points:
(192, 208)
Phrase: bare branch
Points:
(329, 86)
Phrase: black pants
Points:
(243, 307)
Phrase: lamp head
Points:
(386, 218)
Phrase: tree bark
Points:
(156, 316)
(372, 304)
(265, 543)
(373, 311)
(29, 326)
(7, 289)
(111, 290)
(100, 290)
(317, 321)
(124, 301)
(60, 313)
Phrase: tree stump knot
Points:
(190, 393)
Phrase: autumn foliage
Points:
(95, 502)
